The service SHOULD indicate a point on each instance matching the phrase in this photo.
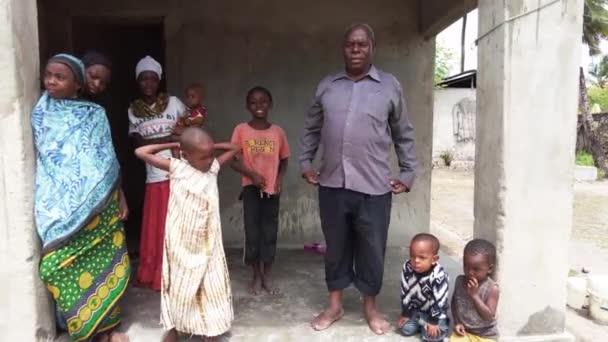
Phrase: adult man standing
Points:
(357, 115)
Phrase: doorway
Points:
(125, 41)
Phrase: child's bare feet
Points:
(119, 337)
(255, 288)
(103, 337)
(267, 285)
(170, 336)
(326, 318)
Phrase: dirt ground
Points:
(452, 218)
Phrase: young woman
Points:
(152, 118)
(85, 264)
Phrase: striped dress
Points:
(195, 296)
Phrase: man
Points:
(357, 115)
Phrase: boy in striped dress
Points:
(196, 298)
(424, 292)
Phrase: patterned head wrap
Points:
(71, 62)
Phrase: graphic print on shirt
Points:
(260, 146)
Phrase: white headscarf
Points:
(148, 64)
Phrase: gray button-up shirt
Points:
(357, 123)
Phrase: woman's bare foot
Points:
(119, 337)
(103, 337)
(376, 322)
(255, 288)
(326, 318)
(170, 336)
(267, 285)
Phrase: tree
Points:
(443, 62)
(595, 28)
(599, 73)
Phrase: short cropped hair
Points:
(428, 238)
(193, 137)
(198, 87)
(261, 90)
(483, 247)
(365, 27)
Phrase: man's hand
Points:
(473, 287)
(398, 187)
(311, 176)
(402, 320)
(459, 330)
(432, 330)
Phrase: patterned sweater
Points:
(425, 292)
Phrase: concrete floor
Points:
(285, 317)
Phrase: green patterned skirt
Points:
(88, 275)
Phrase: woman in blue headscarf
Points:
(85, 264)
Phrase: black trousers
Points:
(261, 216)
(355, 226)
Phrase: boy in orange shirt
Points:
(264, 162)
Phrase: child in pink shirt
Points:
(264, 162)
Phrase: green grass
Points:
(584, 159)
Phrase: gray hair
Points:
(365, 27)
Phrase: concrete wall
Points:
(446, 104)
(25, 312)
(234, 45)
(525, 158)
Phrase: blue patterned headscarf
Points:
(75, 64)
(76, 169)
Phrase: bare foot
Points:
(119, 337)
(267, 285)
(326, 318)
(170, 336)
(210, 339)
(377, 323)
(103, 337)
(255, 288)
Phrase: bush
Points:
(599, 96)
(584, 159)
(447, 158)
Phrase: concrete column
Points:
(25, 310)
(527, 105)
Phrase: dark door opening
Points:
(125, 41)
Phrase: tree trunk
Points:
(588, 133)
(463, 37)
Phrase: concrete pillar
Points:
(25, 310)
(527, 105)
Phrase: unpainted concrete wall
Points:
(444, 138)
(524, 159)
(25, 311)
(288, 46)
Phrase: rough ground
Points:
(452, 221)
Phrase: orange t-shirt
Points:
(262, 152)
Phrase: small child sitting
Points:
(424, 292)
(196, 113)
(476, 295)
(195, 295)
